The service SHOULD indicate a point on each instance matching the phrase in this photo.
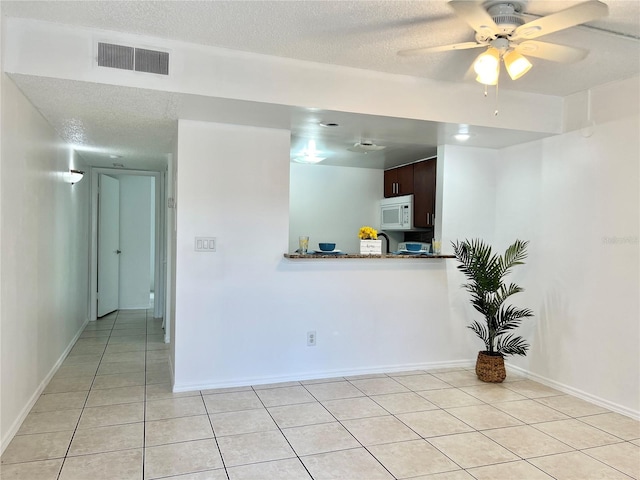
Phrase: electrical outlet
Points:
(311, 339)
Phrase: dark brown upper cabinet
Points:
(398, 181)
(424, 193)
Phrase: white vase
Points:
(370, 247)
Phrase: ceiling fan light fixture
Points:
(516, 64)
(487, 66)
(487, 79)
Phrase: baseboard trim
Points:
(247, 381)
(601, 402)
(15, 426)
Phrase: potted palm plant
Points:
(486, 273)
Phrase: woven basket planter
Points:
(490, 368)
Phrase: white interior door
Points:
(108, 244)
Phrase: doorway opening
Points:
(128, 254)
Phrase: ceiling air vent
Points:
(115, 56)
(130, 58)
(151, 61)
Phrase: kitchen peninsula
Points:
(298, 256)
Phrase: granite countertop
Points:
(298, 256)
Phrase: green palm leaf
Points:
(481, 331)
(510, 345)
(485, 272)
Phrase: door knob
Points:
(118, 252)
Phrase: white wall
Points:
(171, 254)
(242, 313)
(576, 197)
(465, 209)
(135, 241)
(330, 204)
(152, 234)
(45, 249)
(467, 190)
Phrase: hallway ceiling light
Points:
(74, 176)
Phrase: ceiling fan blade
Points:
(442, 48)
(476, 17)
(551, 51)
(569, 17)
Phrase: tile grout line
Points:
(441, 409)
(426, 439)
(372, 397)
(347, 430)
(281, 432)
(144, 399)
(418, 434)
(444, 409)
(215, 437)
(86, 400)
(390, 414)
(603, 462)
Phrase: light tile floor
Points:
(109, 413)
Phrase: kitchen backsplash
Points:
(424, 236)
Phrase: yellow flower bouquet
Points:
(369, 243)
(368, 233)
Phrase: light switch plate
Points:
(205, 244)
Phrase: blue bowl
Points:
(327, 247)
(414, 247)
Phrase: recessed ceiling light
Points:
(115, 156)
(329, 124)
(462, 137)
(309, 154)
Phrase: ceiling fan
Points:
(366, 146)
(501, 29)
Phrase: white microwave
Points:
(396, 213)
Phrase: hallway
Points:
(109, 414)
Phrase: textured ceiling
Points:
(102, 120)
(362, 34)
(140, 125)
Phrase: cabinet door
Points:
(398, 181)
(405, 180)
(424, 194)
(390, 181)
